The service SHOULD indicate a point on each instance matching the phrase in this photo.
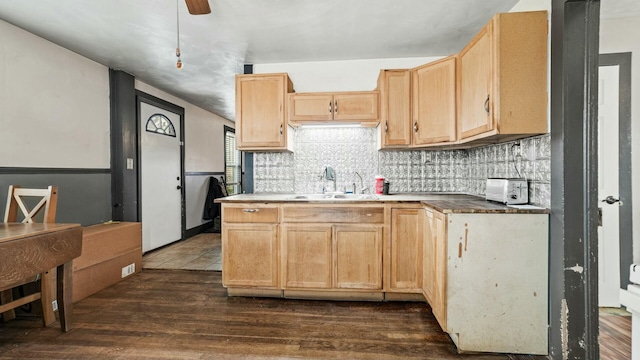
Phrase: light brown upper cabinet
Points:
(434, 103)
(261, 111)
(329, 107)
(418, 106)
(395, 108)
(502, 79)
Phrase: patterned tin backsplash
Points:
(350, 150)
(346, 150)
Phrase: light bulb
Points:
(179, 64)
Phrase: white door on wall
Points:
(160, 177)
(608, 188)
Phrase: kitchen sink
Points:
(310, 197)
(355, 196)
(333, 197)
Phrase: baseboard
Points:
(198, 229)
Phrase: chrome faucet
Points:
(362, 187)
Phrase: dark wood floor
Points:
(160, 314)
(615, 335)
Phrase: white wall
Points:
(204, 150)
(54, 105)
(203, 132)
(348, 75)
(54, 113)
(618, 35)
(532, 5)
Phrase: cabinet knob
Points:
(336, 106)
(386, 126)
(330, 107)
(281, 129)
(415, 126)
(486, 106)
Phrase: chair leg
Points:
(5, 298)
(46, 298)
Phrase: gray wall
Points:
(83, 198)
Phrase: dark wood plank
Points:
(615, 336)
(159, 314)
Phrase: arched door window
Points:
(160, 124)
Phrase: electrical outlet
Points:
(54, 305)
(128, 270)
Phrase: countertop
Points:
(441, 202)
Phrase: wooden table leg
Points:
(65, 294)
(46, 297)
(5, 298)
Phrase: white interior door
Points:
(161, 199)
(608, 186)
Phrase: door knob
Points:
(178, 187)
(611, 200)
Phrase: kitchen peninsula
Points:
(481, 266)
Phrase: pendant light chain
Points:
(179, 62)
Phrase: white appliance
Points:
(631, 299)
(508, 191)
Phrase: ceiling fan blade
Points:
(198, 7)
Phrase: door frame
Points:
(573, 222)
(142, 97)
(623, 60)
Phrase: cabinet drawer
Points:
(250, 214)
(333, 214)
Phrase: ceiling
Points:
(139, 36)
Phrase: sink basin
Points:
(355, 196)
(333, 197)
(310, 197)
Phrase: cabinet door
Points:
(250, 255)
(307, 107)
(439, 303)
(260, 111)
(361, 106)
(475, 79)
(428, 258)
(434, 102)
(395, 107)
(357, 257)
(306, 256)
(406, 249)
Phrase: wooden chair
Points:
(48, 203)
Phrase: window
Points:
(232, 162)
(160, 124)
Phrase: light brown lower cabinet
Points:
(306, 256)
(434, 275)
(326, 256)
(250, 255)
(357, 256)
(485, 277)
(407, 227)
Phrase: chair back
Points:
(16, 202)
